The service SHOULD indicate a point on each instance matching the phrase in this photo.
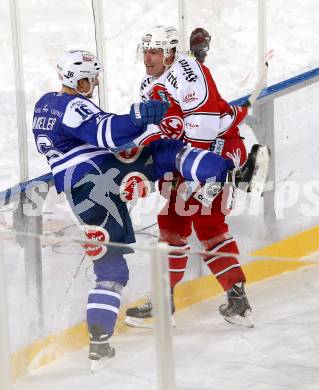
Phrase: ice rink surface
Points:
(280, 353)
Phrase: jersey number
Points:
(45, 146)
(84, 111)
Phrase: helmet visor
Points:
(141, 51)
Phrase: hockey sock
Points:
(226, 268)
(177, 264)
(103, 305)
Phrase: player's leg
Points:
(222, 261)
(175, 227)
(201, 165)
(193, 164)
(216, 239)
(104, 303)
(106, 218)
(175, 230)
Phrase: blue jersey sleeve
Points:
(87, 122)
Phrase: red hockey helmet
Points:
(199, 43)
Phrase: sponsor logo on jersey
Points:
(190, 97)
(134, 185)
(188, 72)
(191, 125)
(130, 155)
(172, 79)
(172, 127)
(217, 146)
(145, 83)
(208, 193)
(57, 113)
(95, 233)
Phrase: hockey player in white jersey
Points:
(81, 143)
(199, 117)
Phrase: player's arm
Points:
(204, 122)
(230, 116)
(87, 122)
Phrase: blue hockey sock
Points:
(103, 307)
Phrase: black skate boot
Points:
(99, 346)
(142, 316)
(237, 310)
(252, 176)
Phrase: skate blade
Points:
(246, 321)
(97, 365)
(257, 185)
(147, 323)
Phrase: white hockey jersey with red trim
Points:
(197, 112)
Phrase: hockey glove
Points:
(152, 111)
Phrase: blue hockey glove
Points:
(152, 111)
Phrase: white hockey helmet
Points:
(160, 37)
(75, 65)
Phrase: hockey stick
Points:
(261, 82)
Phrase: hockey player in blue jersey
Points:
(82, 144)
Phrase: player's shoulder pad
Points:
(78, 110)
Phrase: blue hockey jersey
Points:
(71, 131)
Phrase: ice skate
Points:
(252, 176)
(100, 351)
(237, 311)
(142, 316)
